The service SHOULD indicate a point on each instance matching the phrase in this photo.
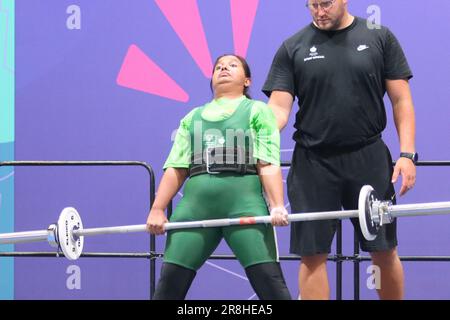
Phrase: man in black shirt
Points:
(340, 69)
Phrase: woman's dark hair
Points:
(245, 65)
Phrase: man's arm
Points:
(400, 95)
(281, 104)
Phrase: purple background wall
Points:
(69, 106)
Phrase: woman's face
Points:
(229, 72)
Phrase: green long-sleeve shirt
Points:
(265, 133)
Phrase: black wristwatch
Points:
(414, 157)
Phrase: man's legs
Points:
(391, 272)
(313, 278)
(377, 171)
(313, 185)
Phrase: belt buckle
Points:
(208, 160)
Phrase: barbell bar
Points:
(68, 233)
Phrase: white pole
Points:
(24, 237)
(420, 209)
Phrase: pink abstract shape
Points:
(184, 17)
(139, 72)
(243, 16)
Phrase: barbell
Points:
(68, 233)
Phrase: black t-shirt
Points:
(339, 80)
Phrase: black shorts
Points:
(331, 180)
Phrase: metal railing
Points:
(151, 256)
(338, 257)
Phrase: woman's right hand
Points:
(155, 221)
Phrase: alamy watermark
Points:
(374, 280)
(374, 18)
(73, 21)
(73, 281)
(202, 141)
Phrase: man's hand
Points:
(155, 221)
(406, 168)
(279, 216)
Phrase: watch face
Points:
(416, 157)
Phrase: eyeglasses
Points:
(325, 5)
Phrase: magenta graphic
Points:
(139, 72)
(184, 17)
(243, 16)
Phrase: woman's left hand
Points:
(279, 216)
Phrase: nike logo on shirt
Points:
(362, 47)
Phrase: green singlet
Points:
(224, 195)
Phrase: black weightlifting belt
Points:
(221, 159)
